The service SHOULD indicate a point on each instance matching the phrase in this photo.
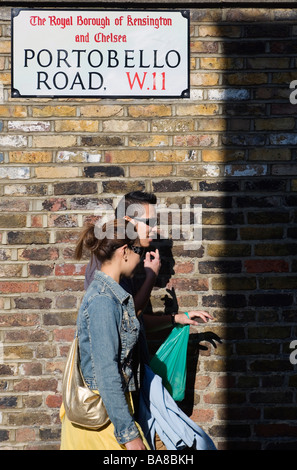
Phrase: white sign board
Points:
(87, 53)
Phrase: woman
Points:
(108, 331)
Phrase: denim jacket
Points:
(108, 331)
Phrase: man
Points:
(139, 208)
(143, 205)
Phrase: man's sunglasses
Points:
(139, 250)
(151, 222)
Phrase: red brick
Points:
(64, 334)
(202, 382)
(202, 415)
(36, 385)
(11, 287)
(184, 268)
(53, 401)
(266, 266)
(70, 269)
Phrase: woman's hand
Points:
(182, 318)
(136, 444)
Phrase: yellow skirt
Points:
(75, 437)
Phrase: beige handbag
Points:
(82, 406)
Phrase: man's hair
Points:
(137, 198)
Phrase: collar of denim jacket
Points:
(116, 288)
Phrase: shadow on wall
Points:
(249, 231)
(255, 297)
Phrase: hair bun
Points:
(103, 240)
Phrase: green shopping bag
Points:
(170, 361)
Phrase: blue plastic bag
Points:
(170, 361)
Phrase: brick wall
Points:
(231, 148)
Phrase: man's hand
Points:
(152, 263)
(182, 318)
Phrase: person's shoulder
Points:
(102, 301)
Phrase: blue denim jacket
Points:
(108, 331)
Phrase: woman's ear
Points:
(124, 252)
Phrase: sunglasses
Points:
(151, 222)
(139, 250)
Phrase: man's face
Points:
(146, 224)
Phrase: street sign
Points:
(100, 53)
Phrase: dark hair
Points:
(134, 197)
(117, 233)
